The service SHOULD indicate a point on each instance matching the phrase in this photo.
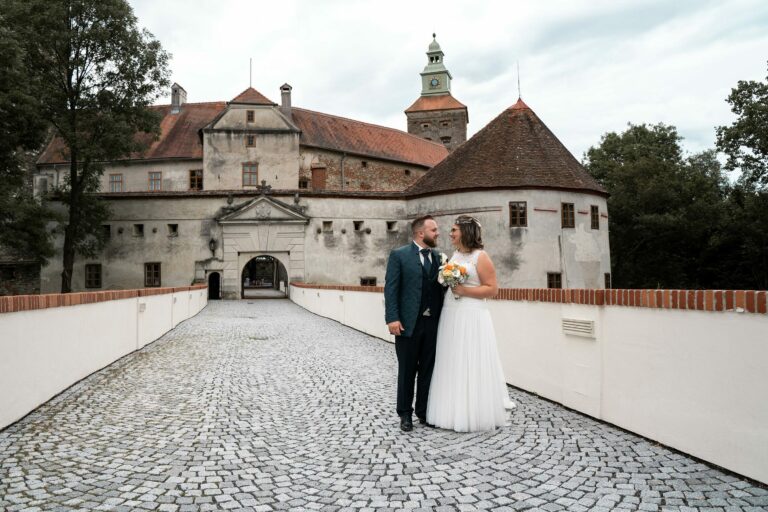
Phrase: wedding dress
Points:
(468, 391)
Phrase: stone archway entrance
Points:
(263, 276)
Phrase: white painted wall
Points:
(692, 380)
(45, 351)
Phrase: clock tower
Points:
(437, 115)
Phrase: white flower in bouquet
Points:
(452, 274)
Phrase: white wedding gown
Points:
(468, 392)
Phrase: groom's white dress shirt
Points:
(421, 255)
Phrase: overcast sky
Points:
(587, 66)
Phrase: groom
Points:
(413, 300)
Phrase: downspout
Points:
(343, 157)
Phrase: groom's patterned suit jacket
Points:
(402, 287)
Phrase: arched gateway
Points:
(263, 276)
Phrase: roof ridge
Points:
(400, 132)
(192, 103)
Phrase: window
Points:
(391, 225)
(249, 140)
(518, 214)
(303, 183)
(138, 230)
(358, 225)
(250, 174)
(155, 181)
(115, 182)
(407, 172)
(445, 140)
(249, 116)
(607, 277)
(151, 274)
(364, 163)
(594, 212)
(425, 125)
(444, 123)
(367, 281)
(196, 179)
(554, 280)
(567, 216)
(173, 230)
(93, 275)
(327, 226)
(106, 231)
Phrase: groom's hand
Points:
(395, 328)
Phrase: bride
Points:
(468, 391)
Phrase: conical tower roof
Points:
(515, 150)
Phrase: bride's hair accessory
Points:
(471, 232)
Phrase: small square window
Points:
(327, 226)
(151, 274)
(607, 277)
(364, 163)
(594, 212)
(249, 140)
(445, 140)
(567, 216)
(554, 280)
(303, 183)
(518, 214)
(358, 225)
(249, 116)
(391, 225)
(407, 172)
(106, 231)
(138, 230)
(93, 275)
(367, 281)
(173, 230)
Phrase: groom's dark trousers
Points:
(413, 296)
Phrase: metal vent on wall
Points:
(584, 328)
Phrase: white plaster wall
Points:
(45, 351)
(523, 256)
(175, 175)
(692, 380)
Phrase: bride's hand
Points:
(458, 290)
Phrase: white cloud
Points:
(587, 67)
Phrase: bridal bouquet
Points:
(452, 274)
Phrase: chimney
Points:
(285, 94)
(178, 98)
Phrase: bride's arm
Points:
(488, 286)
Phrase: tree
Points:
(664, 208)
(23, 221)
(745, 142)
(95, 73)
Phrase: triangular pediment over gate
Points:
(264, 209)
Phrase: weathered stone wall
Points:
(438, 124)
(360, 173)
(19, 278)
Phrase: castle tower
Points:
(437, 115)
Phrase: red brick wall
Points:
(378, 175)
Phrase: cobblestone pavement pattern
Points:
(263, 406)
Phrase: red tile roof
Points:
(341, 134)
(515, 150)
(252, 97)
(178, 135)
(437, 102)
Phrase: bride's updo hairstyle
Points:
(471, 232)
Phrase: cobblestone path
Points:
(263, 406)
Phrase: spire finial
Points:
(434, 36)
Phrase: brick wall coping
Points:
(750, 301)
(14, 303)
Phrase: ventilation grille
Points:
(583, 328)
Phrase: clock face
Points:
(434, 82)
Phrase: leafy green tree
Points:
(23, 221)
(664, 208)
(745, 142)
(95, 73)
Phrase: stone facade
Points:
(446, 126)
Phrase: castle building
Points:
(248, 195)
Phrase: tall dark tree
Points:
(23, 221)
(664, 208)
(745, 142)
(95, 73)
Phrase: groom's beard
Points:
(430, 242)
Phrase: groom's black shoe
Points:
(423, 421)
(406, 424)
